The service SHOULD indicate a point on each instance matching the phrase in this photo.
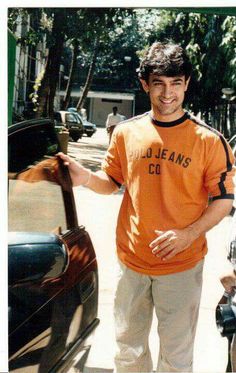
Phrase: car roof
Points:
(29, 123)
(65, 111)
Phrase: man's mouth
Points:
(166, 102)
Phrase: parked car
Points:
(89, 128)
(232, 143)
(226, 309)
(72, 122)
(53, 274)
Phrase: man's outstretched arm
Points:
(98, 181)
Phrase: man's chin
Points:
(165, 111)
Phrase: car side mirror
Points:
(35, 257)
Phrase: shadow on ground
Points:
(97, 370)
(82, 146)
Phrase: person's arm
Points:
(171, 242)
(228, 280)
(98, 181)
(218, 181)
(108, 121)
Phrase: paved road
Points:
(99, 213)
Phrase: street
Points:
(98, 214)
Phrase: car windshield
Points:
(26, 147)
(71, 118)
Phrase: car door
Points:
(49, 317)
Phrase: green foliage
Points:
(210, 43)
(228, 45)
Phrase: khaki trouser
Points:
(176, 299)
(233, 353)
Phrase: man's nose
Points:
(167, 91)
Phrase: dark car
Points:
(226, 309)
(89, 128)
(53, 274)
(71, 122)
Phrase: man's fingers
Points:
(166, 253)
(170, 255)
(161, 247)
(66, 159)
(61, 155)
(159, 240)
(159, 233)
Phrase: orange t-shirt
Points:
(169, 170)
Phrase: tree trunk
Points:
(66, 99)
(89, 77)
(50, 79)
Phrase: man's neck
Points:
(167, 117)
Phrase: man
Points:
(112, 120)
(169, 162)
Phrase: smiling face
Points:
(166, 96)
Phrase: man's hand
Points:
(169, 243)
(98, 181)
(79, 174)
(172, 242)
(229, 282)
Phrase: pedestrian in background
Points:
(112, 120)
(170, 162)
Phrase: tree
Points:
(49, 82)
(75, 51)
(100, 39)
(88, 82)
(208, 39)
(52, 24)
(93, 43)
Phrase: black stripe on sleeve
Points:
(114, 180)
(224, 196)
(228, 166)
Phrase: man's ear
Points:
(186, 84)
(144, 85)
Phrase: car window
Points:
(79, 119)
(35, 203)
(70, 117)
(27, 146)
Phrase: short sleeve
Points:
(220, 170)
(112, 163)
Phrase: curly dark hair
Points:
(167, 59)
